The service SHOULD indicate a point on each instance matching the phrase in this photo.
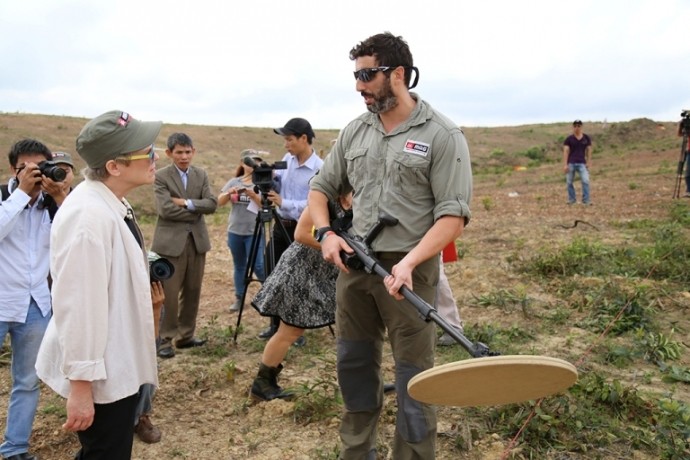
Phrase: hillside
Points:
(604, 287)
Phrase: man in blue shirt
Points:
(25, 307)
(291, 197)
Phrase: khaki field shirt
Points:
(417, 173)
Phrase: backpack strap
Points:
(49, 202)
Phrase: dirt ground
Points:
(202, 407)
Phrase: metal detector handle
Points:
(372, 265)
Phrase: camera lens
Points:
(161, 269)
(57, 174)
(50, 170)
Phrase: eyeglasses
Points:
(368, 74)
(150, 155)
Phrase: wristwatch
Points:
(321, 233)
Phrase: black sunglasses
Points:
(368, 74)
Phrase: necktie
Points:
(184, 180)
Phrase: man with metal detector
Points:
(404, 158)
(684, 132)
(289, 195)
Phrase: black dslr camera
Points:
(52, 170)
(263, 173)
(685, 122)
(160, 268)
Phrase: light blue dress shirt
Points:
(294, 184)
(184, 175)
(24, 256)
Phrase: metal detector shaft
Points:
(372, 265)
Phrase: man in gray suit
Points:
(183, 196)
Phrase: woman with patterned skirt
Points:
(301, 292)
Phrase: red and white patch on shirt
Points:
(417, 147)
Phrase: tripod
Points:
(681, 163)
(265, 218)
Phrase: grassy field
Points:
(604, 287)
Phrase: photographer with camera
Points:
(684, 161)
(240, 192)
(29, 203)
(61, 189)
(290, 192)
(143, 426)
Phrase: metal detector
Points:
(489, 379)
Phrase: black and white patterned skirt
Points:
(300, 290)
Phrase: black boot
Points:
(265, 386)
(270, 330)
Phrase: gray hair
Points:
(97, 174)
(101, 174)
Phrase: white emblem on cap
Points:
(124, 119)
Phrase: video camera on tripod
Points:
(685, 122)
(263, 173)
(264, 182)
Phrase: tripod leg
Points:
(681, 166)
(281, 228)
(248, 274)
(281, 236)
(686, 164)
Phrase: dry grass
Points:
(516, 213)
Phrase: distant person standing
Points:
(292, 189)
(143, 427)
(577, 158)
(183, 196)
(447, 307)
(683, 130)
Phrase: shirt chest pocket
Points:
(410, 175)
(357, 167)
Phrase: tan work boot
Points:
(146, 431)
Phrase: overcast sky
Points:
(261, 62)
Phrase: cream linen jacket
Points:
(102, 326)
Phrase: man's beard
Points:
(384, 101)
